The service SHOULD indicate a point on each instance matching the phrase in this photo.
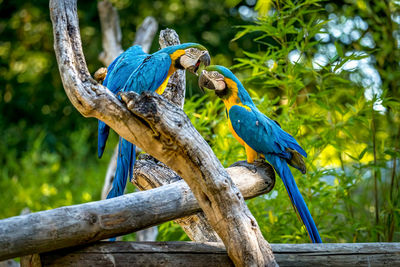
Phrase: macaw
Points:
(261, 136)
(135, 70)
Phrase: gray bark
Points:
(75, 225)
(166, 133)
(145, 33)
(213, 254)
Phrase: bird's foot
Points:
(100, 75)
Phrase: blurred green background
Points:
(328, 71)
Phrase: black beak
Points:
(204, 58)
(205, 82)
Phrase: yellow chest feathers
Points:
(174, 56)
(160, 90)
(233, 98)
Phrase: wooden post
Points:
(214, 254)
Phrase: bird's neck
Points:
(230, 95)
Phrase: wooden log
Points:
(150, 173)
(79, 224)
(214, 254)
(165, 132)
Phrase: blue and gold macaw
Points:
(261, 136)
(135, 70)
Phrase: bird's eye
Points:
(214, 74)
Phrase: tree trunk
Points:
(166, 133)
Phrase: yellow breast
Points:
(240, 140)
(232, 100)
(160, 90)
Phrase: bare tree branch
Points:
(111, 32)
(166, 133)
(145, 33)
(112, 166)
(79, 224)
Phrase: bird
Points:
(262, 137)
(137, 71)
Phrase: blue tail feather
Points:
(103, 131)
(296, 198)
(125, 161)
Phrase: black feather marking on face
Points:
(178, 64)
(225, 93)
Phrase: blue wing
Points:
(261, 133)
(266, 137)
(118, 73)
(124, 66)
(150, 74)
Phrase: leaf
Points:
(240, 34)
(362, 153)
(339, 49)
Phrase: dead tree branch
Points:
(79, 224)
(166, 133)
(110, 31)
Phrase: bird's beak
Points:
(205, 81)
(204, 58)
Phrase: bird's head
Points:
(188, 56)
(219, 79)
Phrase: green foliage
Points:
(40, 179)
(348, 142)
(348, 125)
